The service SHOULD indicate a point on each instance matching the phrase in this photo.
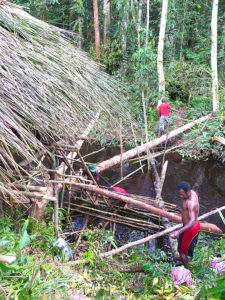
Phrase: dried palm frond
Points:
(49, 89)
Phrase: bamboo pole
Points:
(79, 143)
(30, 194)
(171, 216)
(158, 195)
(153, 143)
(144, 240)
(146, 128)
(130, 174)
(128, 219)
(121, 151)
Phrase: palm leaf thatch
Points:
(47, 86)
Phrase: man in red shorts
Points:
(188, 234)
(164, 114)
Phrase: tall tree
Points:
(139, 22)
(106, 13)
(160, 70)
(214, 56)
(125, 24)
(78, 9)
(96, 23)
(147, 23)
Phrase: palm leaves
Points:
(47, 86)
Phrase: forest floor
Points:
(42, 272)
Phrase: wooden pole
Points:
(171, 216)
(159, 189)
(121, 151)
(144, 240)
(219, 139)
(133, 152)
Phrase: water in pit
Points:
(205, 177)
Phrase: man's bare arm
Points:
(190, 224)
(175, 110)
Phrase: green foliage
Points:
(37, 274)
(24, 237)
(183, 77)
(200, 145)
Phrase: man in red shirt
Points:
(164, 115)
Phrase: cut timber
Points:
(7, 259)
(171, 216)
(140, 149)
(219, 139)
(147, 239)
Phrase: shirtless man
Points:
(188, 234)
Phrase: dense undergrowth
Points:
(41, 272)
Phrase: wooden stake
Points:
(159, 189)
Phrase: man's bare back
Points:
(190, 204)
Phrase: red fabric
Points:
(164, 109)
(119, 190)
(187, 238)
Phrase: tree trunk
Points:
(133, 152)
(79, 33)
(171, 216)
(125, 24)
(159, 203)
(147, 24)
(161, 77)
(97, 35)
(182, 30)
(106, 13)
(215, 99)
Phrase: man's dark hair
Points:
(163, 100)
(185, 186)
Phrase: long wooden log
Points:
(140, 149)
(219, 139)
(171, 216)
(147, 239)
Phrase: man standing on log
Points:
(188, 234)
(164, 115)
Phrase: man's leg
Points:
(167, 119)
(184, 260)
(161, 125)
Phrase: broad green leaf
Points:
(24, 237)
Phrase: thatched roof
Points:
(47, 85)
